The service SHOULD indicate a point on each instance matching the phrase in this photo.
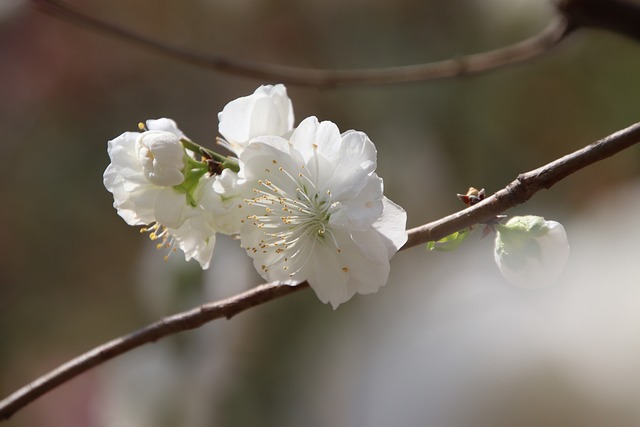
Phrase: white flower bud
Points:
(161, 156)
(531, 252)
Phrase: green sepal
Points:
(193, 171)
(225, 162)
(450, 242)
(517, 240)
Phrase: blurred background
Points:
(447, 342)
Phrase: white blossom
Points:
(530, 251)
(316, 211)
(268, 111)
(156, 183)
(137, 198)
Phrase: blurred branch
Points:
(517, 192)
(464, 65)
(619, 16)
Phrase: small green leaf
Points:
(449, 243)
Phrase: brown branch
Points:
(180, 322)
(516, 193)
(525, 186)
(462, 66)
(618, 16)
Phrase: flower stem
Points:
(225, 162)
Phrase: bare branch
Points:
(525, 186)
(517, 192)
(619, 16)
(180, 322)
(462, 66)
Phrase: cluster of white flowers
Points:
(156, 182)
(306, 201)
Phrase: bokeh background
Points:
(445, 343)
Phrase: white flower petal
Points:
(391, 226)
(339, 162)
(136, 206)
(306, 142)
(114, 183)
(268, 111)
(354, 161)
(197, 240)
(327, 278)
(367, 260)
(361, 266)
(166, 125)
(171, 208)
(139, 204)
(264, 153)
(124, 160)
(221, 201)
(312, 136)
(363, 209)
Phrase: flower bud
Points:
(161, 155)
(530, 251)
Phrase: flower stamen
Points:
(158, 231)
(304, 224)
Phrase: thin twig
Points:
(618, 16)
(180, 322)
(516, 193)
(525, 186)
(464, 65)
